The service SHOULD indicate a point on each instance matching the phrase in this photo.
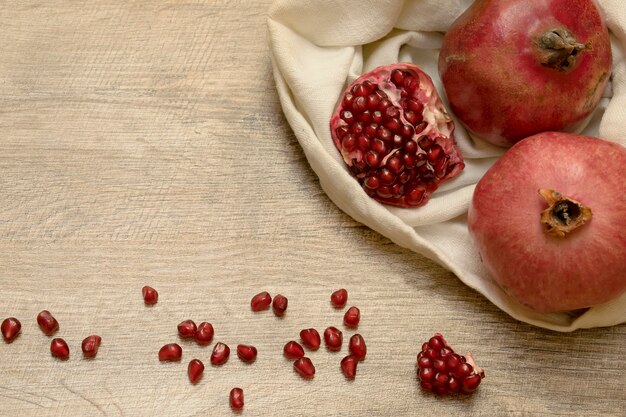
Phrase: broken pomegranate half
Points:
(395, 135)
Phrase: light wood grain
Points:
(143, 143)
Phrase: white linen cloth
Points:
(319, 46)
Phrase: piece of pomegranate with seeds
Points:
(395, 135)
(548, 221)
(10, 329)
(514, 68)
(442, 371)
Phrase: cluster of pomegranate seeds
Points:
(220, 354)
(352, 317)
(47, 323)
(204, 333)
(442, 371)
(150, 295)
(339, 298)
(279, 305)
(310, 338)
(333, 337)
(10, 329)
(236, 399)
(187, 329)
(304, 366)
(90, 346)
(293, 350)
(246, 353)
(59, 348)
(171, 352)
(261, 301)
(195, 369)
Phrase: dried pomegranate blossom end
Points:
(563, 215)
(395, 135)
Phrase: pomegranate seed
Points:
(187, 329)
(352, 317)
(172, 352)
(310, 338)
(90, 346)
(304, 367)
(246, 353)
(204, 333)
(220, 354)
(10, 329)
(333, 338)
(279, 305)
(150, 295)
(293, 350)
(47, 323)
(357, 347)
(59, 348)
(340, 297)
(261, 301)
(195, 369)
(236, 399)
(348, 366)
(443, 371)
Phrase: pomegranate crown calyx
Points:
(563, 215)
(557, 48)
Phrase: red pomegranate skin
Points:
(493, 77)
(550, 273)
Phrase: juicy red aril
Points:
(339, 298)
(246, 353)
(220, 354)
(333, 337)
(279, 304)
(348, 366)
(443, 371)
(357, 346)
(195, 369)
(304, 367)
(10, 329)
(204, 333)
(150, 295)
(187, 329)
(352, 317)
(293, 350)
(236, 399)
(47, 323)
(90, 346)
(391, 107)
(261, 301)
(310, 338)
(59, 348)
(172, 352)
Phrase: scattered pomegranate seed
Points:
(172, 352)
(443, 371)
(352, 317)
(261, 301)
(59, 348)
(357, 347)
(47, 323)
(310, 338)
(236, 399)
(304, 367)
(220, 353)
(204, 333)
(279, 305)
(195, 369)
(150, 295)
(339, 298)
(348, 366)
(187, 329)
(293, 350)
(246, 353)
(90, 346)
(10, 329)
(333, 338)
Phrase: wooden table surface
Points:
(142, 143)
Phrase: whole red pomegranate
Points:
(395, 135)
(548, 219)
(513, 68)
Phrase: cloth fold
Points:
(320, 46)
